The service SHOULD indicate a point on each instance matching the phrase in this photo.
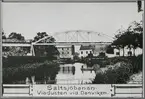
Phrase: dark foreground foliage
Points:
(120, 74)
(41, 71)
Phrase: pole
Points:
(33, 50)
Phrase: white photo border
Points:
(57, 1)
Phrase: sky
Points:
(30, 18)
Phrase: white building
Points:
(95, 50)
(65, 51)
(85, 50)
(127, 52)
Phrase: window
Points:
(130, 53)
(81, 52)
(62, 48)
(67, 48)
(117, 53)
(86, 52)
(62, 52)
(67, 52)
(90, 51)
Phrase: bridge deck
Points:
(56, 43)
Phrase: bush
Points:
(109, 50)
(46, 69)
(137, 63)
(16, 61)
(100, 78)
(115, 60)
(117, 75)
(120, 74)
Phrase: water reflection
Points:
(73, 73)
(67, 70)
(65, 74)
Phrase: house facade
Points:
(85, 50)
(127, 52)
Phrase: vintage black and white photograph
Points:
(72, 43)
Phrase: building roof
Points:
(90, 47)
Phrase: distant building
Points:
(127, 52)
(97, 49)
(65, 51)
(93, 49)
(85, 50)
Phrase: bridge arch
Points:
(78, 36)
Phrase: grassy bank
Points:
(17, 61)
(39, 70)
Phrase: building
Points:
(65, 51)
(85, 50)
(94, 49)
(97, 49)
(127, 52)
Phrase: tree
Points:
(3, 35)
(45, 50)
(140, 40)
(76, 56)
(123, 42)
(136, 29)
(129, 39)
(135, 41)
(14, 50)
(109, 49)
(15, 35)
(119, 42)
(90, 55)
(41, 35)
(132, 37)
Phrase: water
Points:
(67, 75)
